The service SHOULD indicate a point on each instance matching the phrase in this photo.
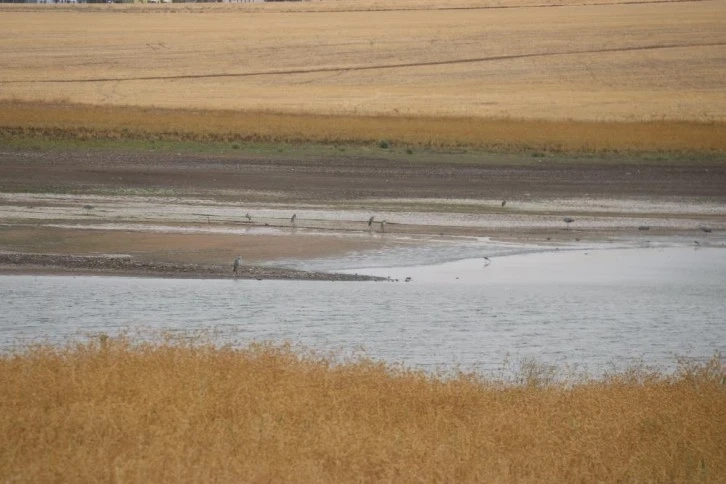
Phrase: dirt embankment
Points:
(330, 178)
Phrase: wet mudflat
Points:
(186, 207)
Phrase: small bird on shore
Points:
(504, 202)
(568, 220)
(370, 220)
(292, 219)
(248, 217)
(383, 225)
(488, 261)
(88, 208)
(235, 266)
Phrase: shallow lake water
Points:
(595, 309)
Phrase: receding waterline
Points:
(592, 309)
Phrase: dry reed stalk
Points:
(112, 410)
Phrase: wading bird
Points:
(504, 202)
(487, 261)
(370, 220)
(292, 219)
(235, 266)
(88, 208)
(383, 225)
(568, 221)
(248, 217)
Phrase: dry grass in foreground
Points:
(112, 410)
(84, 122)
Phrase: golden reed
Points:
(116, 411)
(99, 122)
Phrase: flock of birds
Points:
(372, 219)
(238, 261)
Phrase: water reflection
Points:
(592, 310)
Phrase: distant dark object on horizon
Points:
(706, 229)
(643, 227)
(504, 202)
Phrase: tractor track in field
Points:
(401, 65)
(164, 9)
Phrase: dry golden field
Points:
(599, 62)
(435, 62)
(114, 411)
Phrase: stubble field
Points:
(609, 76)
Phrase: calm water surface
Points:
(592, 309)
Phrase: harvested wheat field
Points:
(643, 76)
(114, 411)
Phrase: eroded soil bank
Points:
(293, 173)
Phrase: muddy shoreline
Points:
(299, 176)
(190, 214)
(59, 264)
